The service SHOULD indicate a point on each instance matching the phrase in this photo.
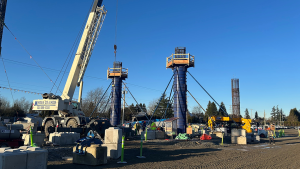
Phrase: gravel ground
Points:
(197, 154)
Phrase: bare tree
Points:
(90, 101)
(23, 103)
(151, 106)
(4, 103)
(197, 109)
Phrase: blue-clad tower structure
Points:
(117, 74)
(179, 63)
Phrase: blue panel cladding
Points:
(180, 89)
(115, 114)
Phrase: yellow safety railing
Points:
(122, 71)
(187, 56)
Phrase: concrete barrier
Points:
(113, 150)
(13, 159)
(94, 155)
(38, 139)
(113, 135)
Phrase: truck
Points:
(67, 112)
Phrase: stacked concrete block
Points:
(113, 135)
(113, 142)
(94, 155)
(73, 137)
(159, 134)
(223, 130)
(64, 138)
(38, 139)
(238, 136)
(113, 150)
(26, 126)
(242, 140)
(257, 139)
(219, 134)
(36, 157)
(150, 135)
(238, 132)
(13, 158)
(234, 139)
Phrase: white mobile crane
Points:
(67, 112)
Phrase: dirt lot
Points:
(208, 154)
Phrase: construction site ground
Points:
(196, 154)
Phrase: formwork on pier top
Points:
(180, 60)
(117, 72)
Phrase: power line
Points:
(29, 54)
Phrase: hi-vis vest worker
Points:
(153, 126)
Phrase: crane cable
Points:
(115, 46)
(71, 53)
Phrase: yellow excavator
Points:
(242, 123)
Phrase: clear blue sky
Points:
(255, 41)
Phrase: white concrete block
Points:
(64, 138)
(13, 159)
(113, 150)
(113, 135)
(38, 139)
(234, 139)
(242, 140)
(238, 132)
(222, 129)
(243, 132)
(26, 126)
(37, 158)
(257, 139)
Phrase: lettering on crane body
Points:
(45, 104)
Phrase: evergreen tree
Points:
(256, 115)
(293, 116)
(247, 116)
(221, 112)
(161, 109)
(211, 110)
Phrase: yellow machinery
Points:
(242, 123)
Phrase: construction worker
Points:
(144, 126)
(271, 137)
(138, 127)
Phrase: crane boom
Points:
(85, 48)
(84, 51)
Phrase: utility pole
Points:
(124, 92)
(280, 117)
(264, 117)
(251, 114)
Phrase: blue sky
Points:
(255, 41)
